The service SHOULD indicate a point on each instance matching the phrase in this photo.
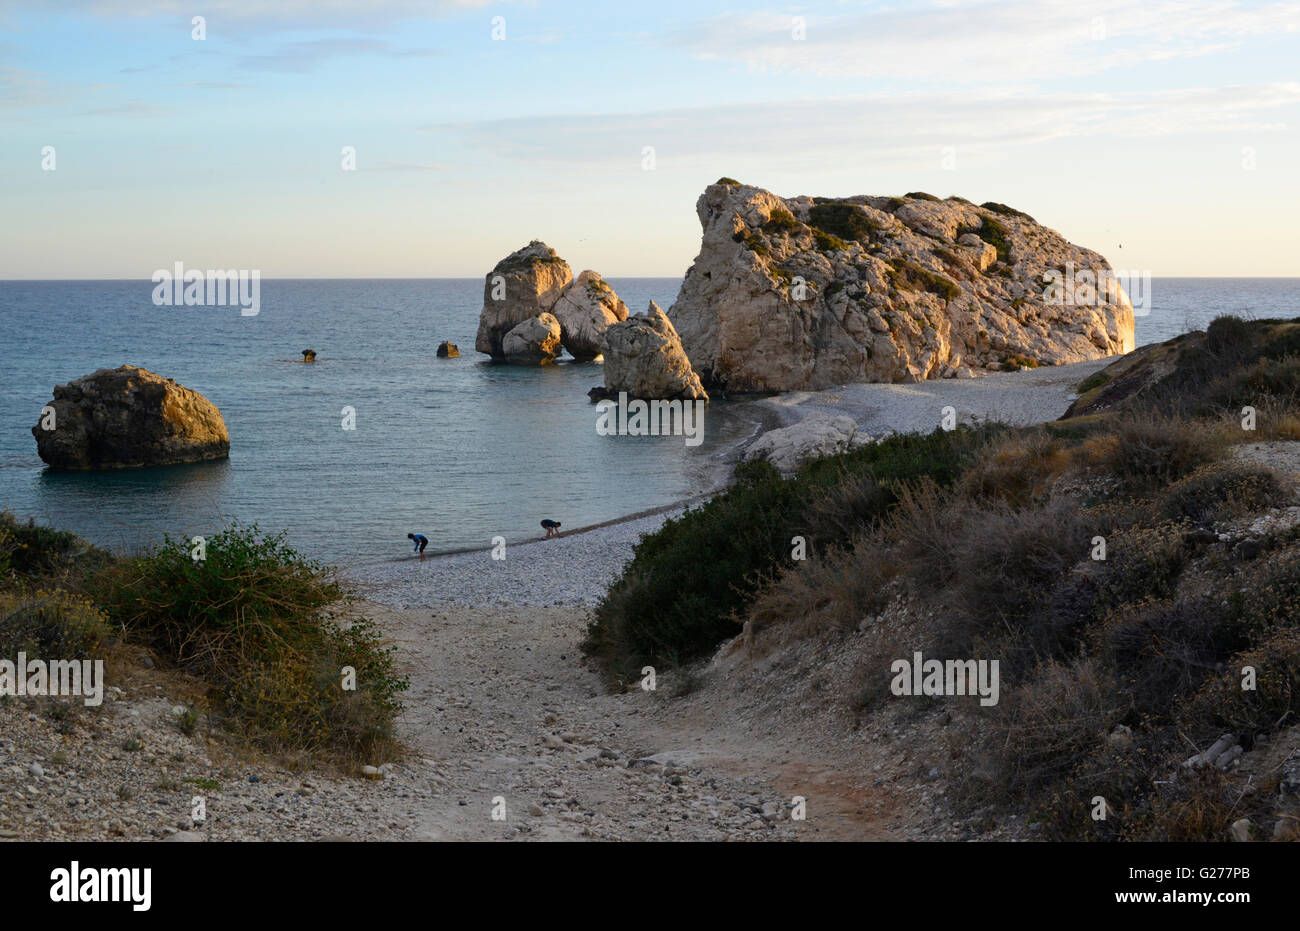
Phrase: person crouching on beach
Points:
(552, 528)
(420, 540)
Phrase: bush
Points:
(1162, 651)
(1148, 451)
(831, 590)
(845, 221)
(687, 583)
(675, 599)
(1221, 490)
(921, 195)
(270, 631)
(29, 550)
(1143, 563)
(1222, 704)
(1045, 729)
(52, 625)
(1018, 469)
(1005, 562)
(828, 243)
(782, 221)
(1266, 597)
(1006, 211)
(908, 276)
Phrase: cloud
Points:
(211, 85)
(133, 108)
(21, 89)
(300, 57)
(408, 166)
(883, 127)
(281, 14)
(995, 41)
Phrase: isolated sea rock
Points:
(309, 355)
(127, 417)
(805, 293)
(448, 350)
(644, 357)
(523, 285)
(815, 436)
(536, 341)
(586, 309)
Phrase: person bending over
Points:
(420, 540)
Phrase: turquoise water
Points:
(457, 449)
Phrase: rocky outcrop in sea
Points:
(810, 292)
(128, 417)
(533, 307)
(644, 357)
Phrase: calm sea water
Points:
(457, 449)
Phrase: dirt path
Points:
(501, 708)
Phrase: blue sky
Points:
(1162, 134)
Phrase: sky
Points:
(1162, 134)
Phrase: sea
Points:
(460, 450)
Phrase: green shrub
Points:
(30, 550)
(1006, 211)
(271, 633)
(828, 243)
(1095, 380)
(782, 221)
(725, 180)
(674, 600)
(921, 195)
(752, 241)
(845, 221)
(908, 276)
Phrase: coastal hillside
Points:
(1133, 569)
(808, 292)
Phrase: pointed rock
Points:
(644, 357)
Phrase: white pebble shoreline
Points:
(571, 569)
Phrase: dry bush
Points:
(1003, 568)
(1018, 468)
(1222, 704)
(832, 590)
(1163, 650)
(1041, 731)
(1147, 451)
(1142, 563)
(1223, 490)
